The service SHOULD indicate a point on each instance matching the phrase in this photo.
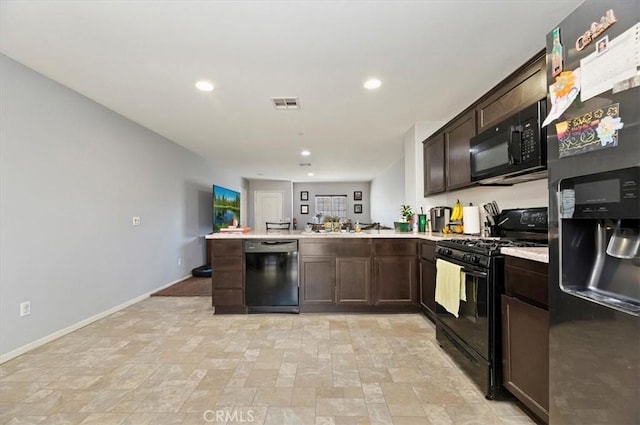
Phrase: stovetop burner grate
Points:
(486, 246)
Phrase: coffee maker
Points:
(439, 218)
(599, 237)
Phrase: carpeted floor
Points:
(192, 287)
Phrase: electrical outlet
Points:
(25, 308)
(179, 261)
(136, 221)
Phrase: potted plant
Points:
(407, 213)
(407, 216)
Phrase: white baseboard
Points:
(169, 284)
(39, 342)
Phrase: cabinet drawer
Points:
(224, 297)
(223, 279)
(528, 280)
(395, 247)
(223, 248)
(226, 264)
(336, 248)
(428, 250)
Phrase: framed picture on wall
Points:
(357, 196)
(357, 208)
(304, 196)
(304, 209)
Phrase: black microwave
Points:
(512, 151)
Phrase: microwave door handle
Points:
(515, 146)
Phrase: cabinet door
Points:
(395, 280)
(227, 279)
(353, 282)
(428, 286)
(457, 136)
(525, 354)
(524, 87)
(317, 280)
(434, 177)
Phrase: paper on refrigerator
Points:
(618, 62)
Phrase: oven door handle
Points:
(471, 273)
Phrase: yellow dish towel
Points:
(450, 286)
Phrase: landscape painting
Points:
(226, 208)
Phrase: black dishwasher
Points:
(271, 276)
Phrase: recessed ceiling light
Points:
(310, 174)
(305, 153)
(204, 85)
(372, 84)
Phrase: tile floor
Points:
(168, 360)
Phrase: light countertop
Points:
(540, 254)
(301, 234)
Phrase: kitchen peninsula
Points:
(371, 271)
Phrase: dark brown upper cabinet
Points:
(446, 156)
(447, 163)
(434, 177)
(457, 136)
(524, 87)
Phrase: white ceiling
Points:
(142, 58)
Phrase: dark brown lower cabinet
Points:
(525, 334)
(351, 275)
(395, 280)
(428, 287)
(427, 290)
(335, 275)
(317, 280)
(353, 282)
(227, 278)
(395, 272)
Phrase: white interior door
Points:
(268, 206)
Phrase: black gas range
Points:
(474, 338)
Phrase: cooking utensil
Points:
(490, 217)
(495, 208)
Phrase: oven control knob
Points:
(471, 258)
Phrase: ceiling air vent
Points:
(285, 102)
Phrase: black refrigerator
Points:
(594, 214)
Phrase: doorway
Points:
(268, 206)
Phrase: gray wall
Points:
(329, 188)
(73, 174)
(388, 193)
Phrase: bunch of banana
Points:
(446, 230)
(456, 214)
